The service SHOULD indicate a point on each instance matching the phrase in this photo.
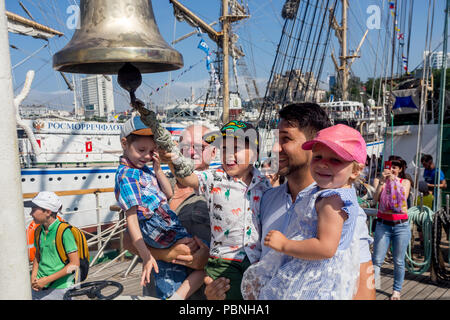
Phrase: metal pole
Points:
(226, 62)
(437, 191)
(121, 217)
(99, 225)
(344, 52)
(14, 270)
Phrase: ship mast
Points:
(343, 58)
(226, 62)
(341, 34)
(21, 25)
(221, 38)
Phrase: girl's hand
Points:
(147, 267)
(275, 240)
(386, 174)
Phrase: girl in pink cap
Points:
(317, 257)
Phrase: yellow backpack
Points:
(80, 239)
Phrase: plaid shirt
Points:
(138, 187)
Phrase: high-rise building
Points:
(97, 98)
(435, 59)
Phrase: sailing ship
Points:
(295, 77)
(78, 155)
(300, 58)
(71, 155)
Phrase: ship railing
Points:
(102, 238)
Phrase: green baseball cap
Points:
(237, 129)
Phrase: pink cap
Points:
(346, 142)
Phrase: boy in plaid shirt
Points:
(142, 193)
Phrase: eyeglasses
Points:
(198, 148)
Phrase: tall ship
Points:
(76, 154)
(397, 110)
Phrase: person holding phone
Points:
(392, 225)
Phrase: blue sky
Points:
(258, 36)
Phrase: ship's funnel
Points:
(112, 33)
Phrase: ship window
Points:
(99, 177)
(50, 179)
(23, 179)
(32, 179)
(21, 134)
(107, 176)
(75, 178)
(59, 179)
(84, 178)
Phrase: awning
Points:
(406, 101)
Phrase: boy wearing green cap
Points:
(233, 192)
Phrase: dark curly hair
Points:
(308, 117)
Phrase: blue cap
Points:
(135, 126)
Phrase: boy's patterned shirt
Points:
(234, 213)
(139, 187)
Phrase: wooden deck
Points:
(415, 287)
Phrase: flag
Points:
(208, 63)
(405, 63)
(203, 46)
(391, 5)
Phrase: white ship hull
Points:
(76, 157)
(79, 210)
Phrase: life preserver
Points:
(30, 238)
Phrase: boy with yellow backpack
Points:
(59, 254)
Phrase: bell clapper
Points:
(130, 78)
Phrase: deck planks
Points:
(415, 287)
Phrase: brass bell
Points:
(112, 33)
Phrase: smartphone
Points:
(387, 164)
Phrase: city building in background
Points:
(96, 96)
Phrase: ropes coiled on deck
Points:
(423, 217)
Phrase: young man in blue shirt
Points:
(299, 123)
(429, 174)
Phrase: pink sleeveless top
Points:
(391, 215)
